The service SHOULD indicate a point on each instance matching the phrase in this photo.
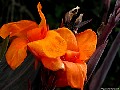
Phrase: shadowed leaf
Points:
(3, 47)
(100, 75)
(106, 6)
(16, 79)
(94, 60)
(112, 21)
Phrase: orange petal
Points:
(69, 38)
(43, 20)
(36, 34)
(16, 52)
(52, 46)
(76, 74)
(53, 64)
(72, 56)
(87, 41)
(14, 28)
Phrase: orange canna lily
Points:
(36, 38)
(80, 47)
(56, 49)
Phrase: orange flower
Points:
(57, 49)
(79, 49)
(16, 53)
(37, 38)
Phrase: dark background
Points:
(54, 11)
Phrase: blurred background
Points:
(54, 11)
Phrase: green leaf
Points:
(3, 47)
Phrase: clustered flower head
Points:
(59, 50)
